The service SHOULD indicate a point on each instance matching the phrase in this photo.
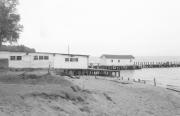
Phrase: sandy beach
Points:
(35, 94)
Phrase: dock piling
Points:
(154, 81)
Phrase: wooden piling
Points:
(134, 80)
(154, 81)
(49, 69)
(144, 81)
(139, 80)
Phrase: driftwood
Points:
(173, 88)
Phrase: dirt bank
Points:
(32, 94)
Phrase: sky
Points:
(95, 27)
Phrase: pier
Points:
(117, 67)
(90, 72)
(157, 64)
(138, 65)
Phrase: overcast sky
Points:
(95, 27)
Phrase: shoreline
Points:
(164, 76)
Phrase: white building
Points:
(117, 60)
(43, 60)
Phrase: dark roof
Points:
(118, 56)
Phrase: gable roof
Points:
(108, 56)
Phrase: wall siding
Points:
(123, 62)
(54, 61)
(59, 62)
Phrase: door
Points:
(4, 63)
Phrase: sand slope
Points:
(52, 95)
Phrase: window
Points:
(118, 60)
(66, 59)
(76, 59)
(40, 57)
(13, 58)
(19, 57)
(111, 60)
(46, 57)
(35, 57)
(71, 59)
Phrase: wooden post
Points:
(88, 72)
(139, 80)
(134, 80)
(154, 81)
(49, 69)
(144, 82)
(108, 73)
(115, 73)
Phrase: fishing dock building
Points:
(114, 62)
(72, 64)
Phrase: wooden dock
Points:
(156, 64)
(89, 71)
(133, 67)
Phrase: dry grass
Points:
(37, 90)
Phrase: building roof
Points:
(63, 54)
(48, 53)
(108, 56)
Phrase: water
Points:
(164, 76)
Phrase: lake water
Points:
(164, 76)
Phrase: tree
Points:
(9, 21)
(19, 48)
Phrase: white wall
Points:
(29, 62)
(41, 63)
(123, 62)
(94, 61)
(103, 61)
(17, 64)
(56, 61)
(59, 62)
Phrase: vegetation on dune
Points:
(26, 78)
